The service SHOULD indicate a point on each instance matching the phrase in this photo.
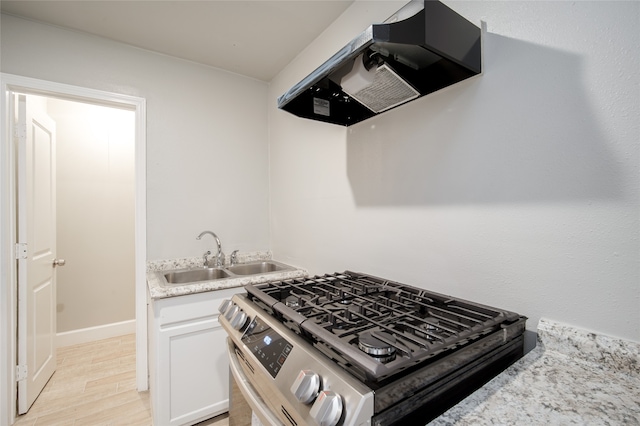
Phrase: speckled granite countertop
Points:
(156, 268)
(572, 377)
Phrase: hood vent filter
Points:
(422, 48)
(385, 92)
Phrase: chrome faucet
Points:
(219, 256)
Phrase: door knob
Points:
(59, 262)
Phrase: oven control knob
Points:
(327, 409)
(306, 386)
(231, 312)
(238, 320)
(224, 306)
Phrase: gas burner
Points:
(292, 302)
(431, 325)
(374, 346)
(384, 359)
(340, 297)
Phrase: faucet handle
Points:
(205, 261)
(234, 257)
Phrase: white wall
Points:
(95, 214)
(517, 188)
(206, 133)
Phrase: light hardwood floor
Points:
(95, 385)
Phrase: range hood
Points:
(423, 47)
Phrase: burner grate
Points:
(333, 311)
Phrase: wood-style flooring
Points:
(95, 385)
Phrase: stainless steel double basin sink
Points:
(186, 276)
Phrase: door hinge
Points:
(21, 251)
(20, 131)
(21, 372)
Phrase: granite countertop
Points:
(572, 376)
(156, 268)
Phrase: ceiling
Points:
(252, 38)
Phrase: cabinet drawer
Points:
(199, 306)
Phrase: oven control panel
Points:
(292, 377)
(267, 346)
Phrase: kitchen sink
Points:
(257, 268)
(187, 276)
(195, 275)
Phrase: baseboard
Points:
(91, 334)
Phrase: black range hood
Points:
(423, 47)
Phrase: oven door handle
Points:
(252, 397)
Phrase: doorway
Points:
(8, 288)
(95, 220)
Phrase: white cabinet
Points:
(188, 364)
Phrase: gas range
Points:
(349, 348)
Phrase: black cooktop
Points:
(377, 329)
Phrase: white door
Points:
(36, 250)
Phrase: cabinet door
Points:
(189, 365)
(197, 371)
